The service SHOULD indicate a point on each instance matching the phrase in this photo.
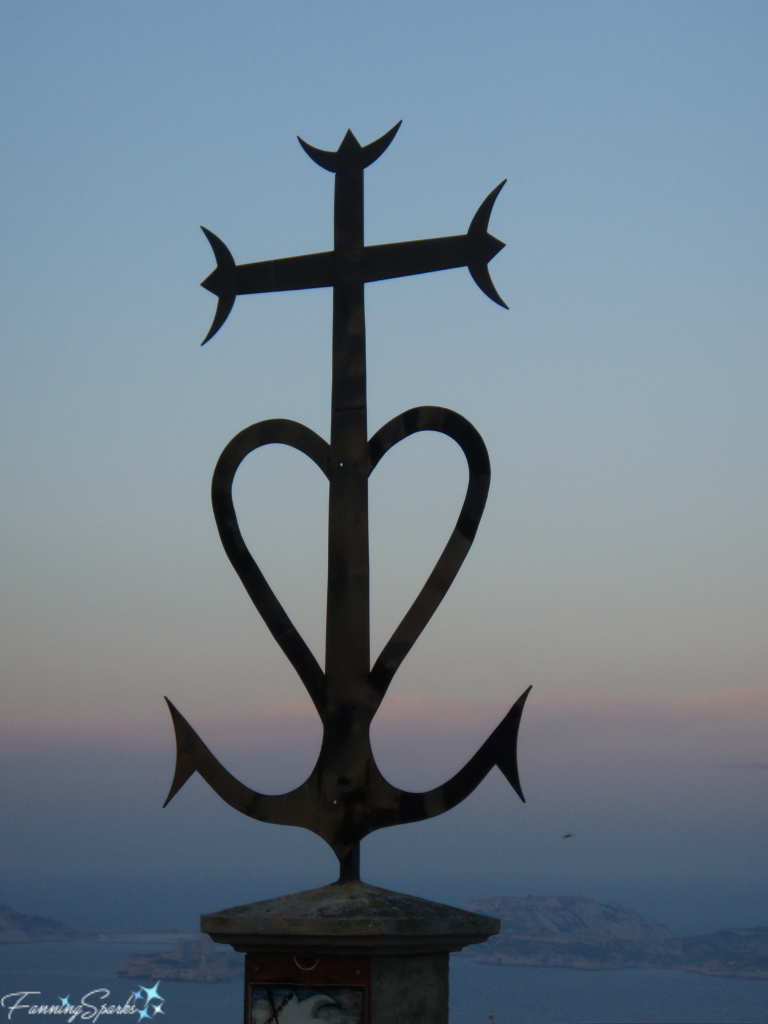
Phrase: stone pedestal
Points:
(347, 953)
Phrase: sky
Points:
(621, 568)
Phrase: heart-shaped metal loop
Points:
(460, 430)
(279, 431)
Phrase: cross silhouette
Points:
(346, 797)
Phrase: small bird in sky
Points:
(567, 835)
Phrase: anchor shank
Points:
(347, 624)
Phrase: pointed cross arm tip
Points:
(485, 247)
(222, 282)
(350, 155)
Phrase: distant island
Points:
(569, 931)
(188, 960)
(16, 927)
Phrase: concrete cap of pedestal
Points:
(348, 918)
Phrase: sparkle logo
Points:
(153, 1003)
(144, 1002)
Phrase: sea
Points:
(516, 995)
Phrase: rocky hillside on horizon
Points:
(16, 927)
(571, 931)
(568, 919)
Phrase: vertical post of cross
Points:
(347, 650)
(351, 701)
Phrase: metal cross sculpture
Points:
(346, 797)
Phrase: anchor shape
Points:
(346, 797)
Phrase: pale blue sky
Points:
(622, 398)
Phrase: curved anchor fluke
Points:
(192, 756)
(222, 282)
(350, 155)
(483, 247)
(499, 750)
(186, 762)
(502, 744)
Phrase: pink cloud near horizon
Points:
(420, 741)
